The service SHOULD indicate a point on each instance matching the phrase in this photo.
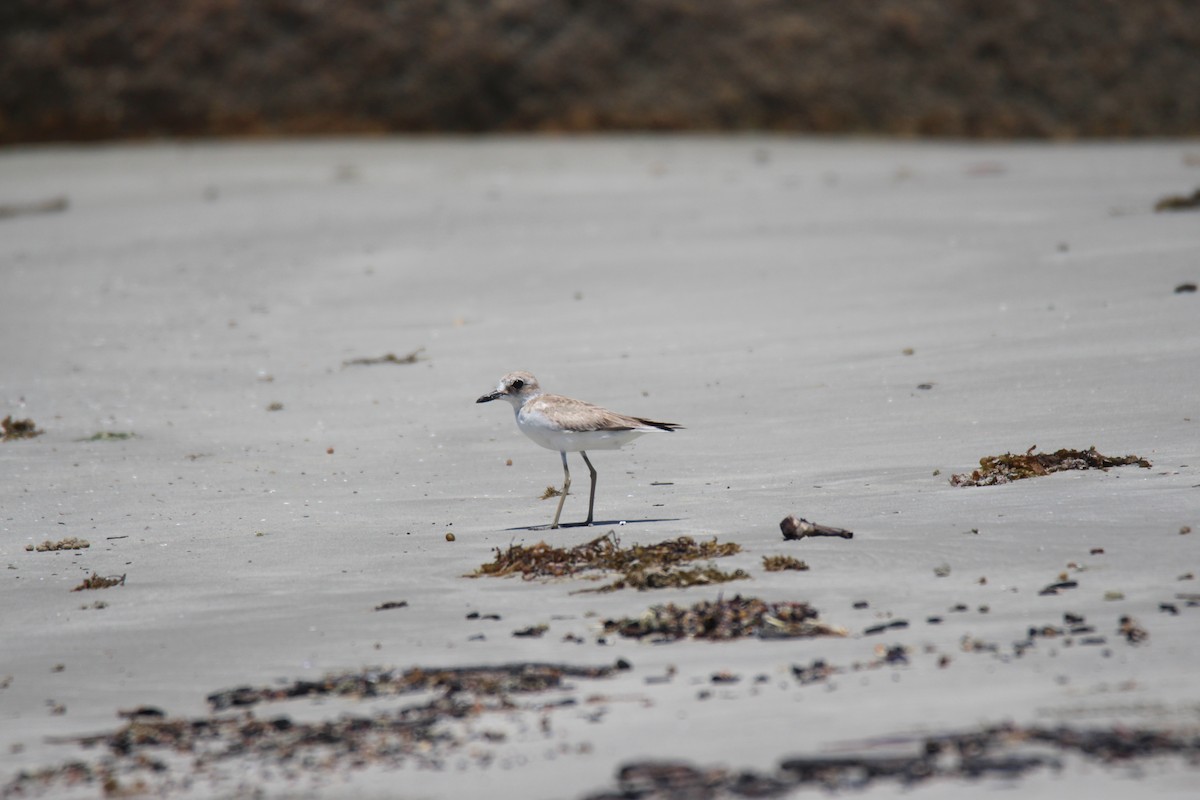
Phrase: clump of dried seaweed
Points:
(99, 582)
(18, 429)
(651, 566)
(1178, 202)
(724, 619)
(70, 543)
(387, 358)
(780, 563)
(1010, 467)
(109, 436)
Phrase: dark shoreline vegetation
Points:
(88, 71)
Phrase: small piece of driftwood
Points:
(794, 527)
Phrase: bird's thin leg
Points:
(566, 485)
(592, 497)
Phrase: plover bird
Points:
(569, 426)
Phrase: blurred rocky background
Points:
(104, 69)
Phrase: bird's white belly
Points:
(548, 435)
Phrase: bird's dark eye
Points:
(517, 384)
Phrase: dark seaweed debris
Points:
(54, 204)
(485, 680)
(1003, 751)
(1006, 468)
(18, 429)
(652, 566)
(99, 582)
(387, 358)
(780, 563)
(391, 604)
(724, 620)
(1179, 202)
(151, 754)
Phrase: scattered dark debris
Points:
(969, 644)
(550, 492)
(886, 626)
(477, 615)
(153, 712)
(1169, 608)
(723, 620)
(1185, 288)
(18, 429)
(819, 670)
(942, 570)
(98, 582)
(389, 605)
(861, 604)
(725, 676)
(925, 386)
(780, 563)
(388, 358)
(1096, 551)
(275, 406)
(1074, 625)
(108, 436)
(1004, 751)
(532, 632)
(652, 566)
(70, 543)
(995, 470)
(794, 527)
(141, 757)
(815, 672)
(1178, 202)
(1185, 530)
(51, 206)
(1055, 588)
(1133, 633)
(934, 620)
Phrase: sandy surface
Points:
(759, 291)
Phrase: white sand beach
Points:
(784, 299)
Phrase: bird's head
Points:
(515, 387)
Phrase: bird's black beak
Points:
(487, 398)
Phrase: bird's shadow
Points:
(595, 524)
